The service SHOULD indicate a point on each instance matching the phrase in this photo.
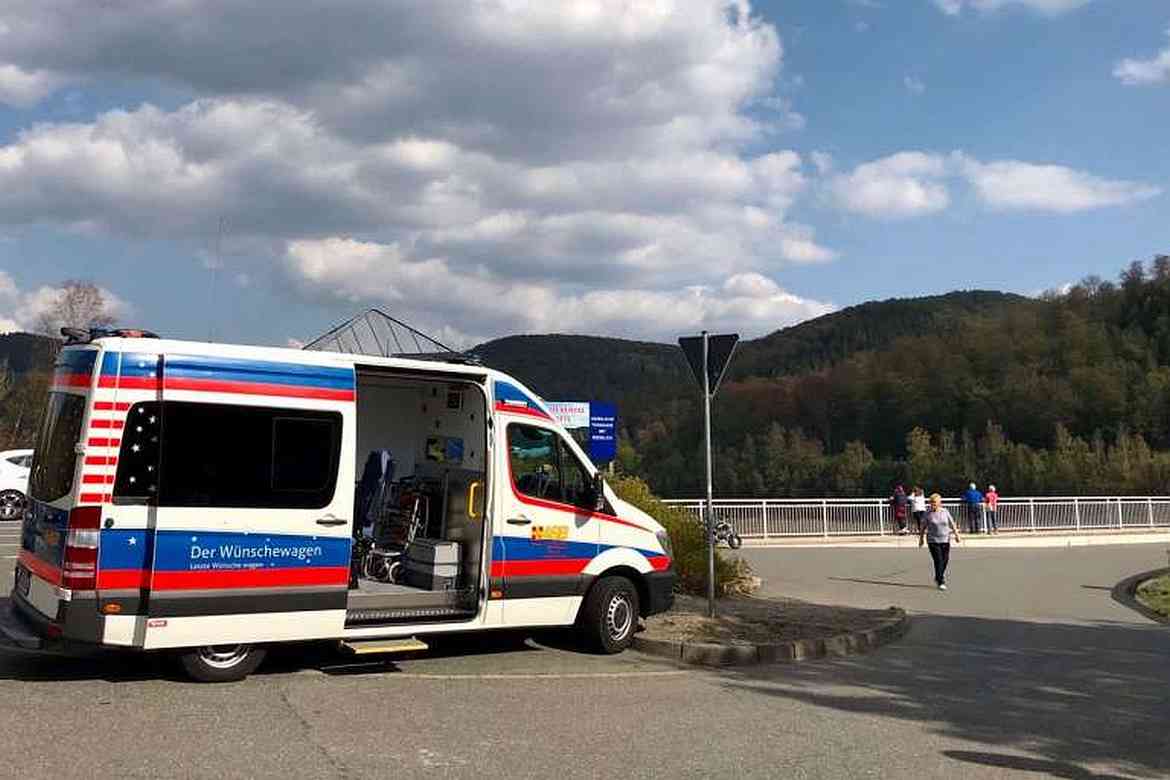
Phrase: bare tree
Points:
(79, 304)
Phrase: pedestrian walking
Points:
(901, 506)
(973, 500)
(992, 499)
(918, 507)
(937, 531)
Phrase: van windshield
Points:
(55, 457)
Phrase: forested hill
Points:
(827, 340)
(561, 367)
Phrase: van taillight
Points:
(79, 571)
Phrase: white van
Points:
(209, 499)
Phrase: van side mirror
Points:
(598, 490)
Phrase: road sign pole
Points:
(710, 487)
(708, 357)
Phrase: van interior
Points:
(419, 499)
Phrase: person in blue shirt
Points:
(974, 501)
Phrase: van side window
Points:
(543, 466)
(220, 455)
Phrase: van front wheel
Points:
(221, 663)
(609, 615)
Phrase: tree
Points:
(78, 304)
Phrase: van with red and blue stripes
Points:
(209, 500)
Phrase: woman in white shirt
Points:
(938, 530)
(918, 508)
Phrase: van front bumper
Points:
(660, 589)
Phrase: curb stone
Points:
(1124, 593)
(838, 646)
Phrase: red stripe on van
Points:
(122, 579)
(46, 571)
(129, 382)
(258, 388)
(101, 460)
(97, 479)
(526, 411)
(250, 578)
(553, 566)
(94, 498)
(110, 406)
(72, 380)
(107, 424)
(97, 441)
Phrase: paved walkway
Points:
(1026, 657)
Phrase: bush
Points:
(689, 540)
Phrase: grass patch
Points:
(1155, 594)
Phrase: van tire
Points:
(221, 663)
(609, 616)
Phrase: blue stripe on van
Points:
(262, 372)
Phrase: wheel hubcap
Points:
(223, 656)
(11, 505)
(619, 617)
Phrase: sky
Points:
(258, 171)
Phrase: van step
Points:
(369, 646)
(416, 614)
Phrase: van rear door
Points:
(53, 481)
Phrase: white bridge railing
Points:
(759, 518)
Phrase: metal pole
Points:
(710, 487)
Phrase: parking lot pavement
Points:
(9, 544)
(1025, 667)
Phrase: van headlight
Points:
(664, 540)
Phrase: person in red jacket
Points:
(991, 498)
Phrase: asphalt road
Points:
(1025, 668)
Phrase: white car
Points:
(14, 471)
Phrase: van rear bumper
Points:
(24, 628)
(20, 632)
(660, 589)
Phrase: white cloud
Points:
(22, 310)
(906, 184)
(914, 84)
(436, 296)
(573, 147)
(22, 88)
(915, 184)
(1021, 186)
(1048, 7)
(1155, 70)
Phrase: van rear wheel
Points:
(609, 616)
(221, 663)
(12, 505)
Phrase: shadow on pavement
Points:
(282, 658)
(1024, 764)
(1070, 693)
(883, 582)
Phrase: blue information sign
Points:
(602, 432)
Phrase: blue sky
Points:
(594, 167)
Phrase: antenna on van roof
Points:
(376, 333)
